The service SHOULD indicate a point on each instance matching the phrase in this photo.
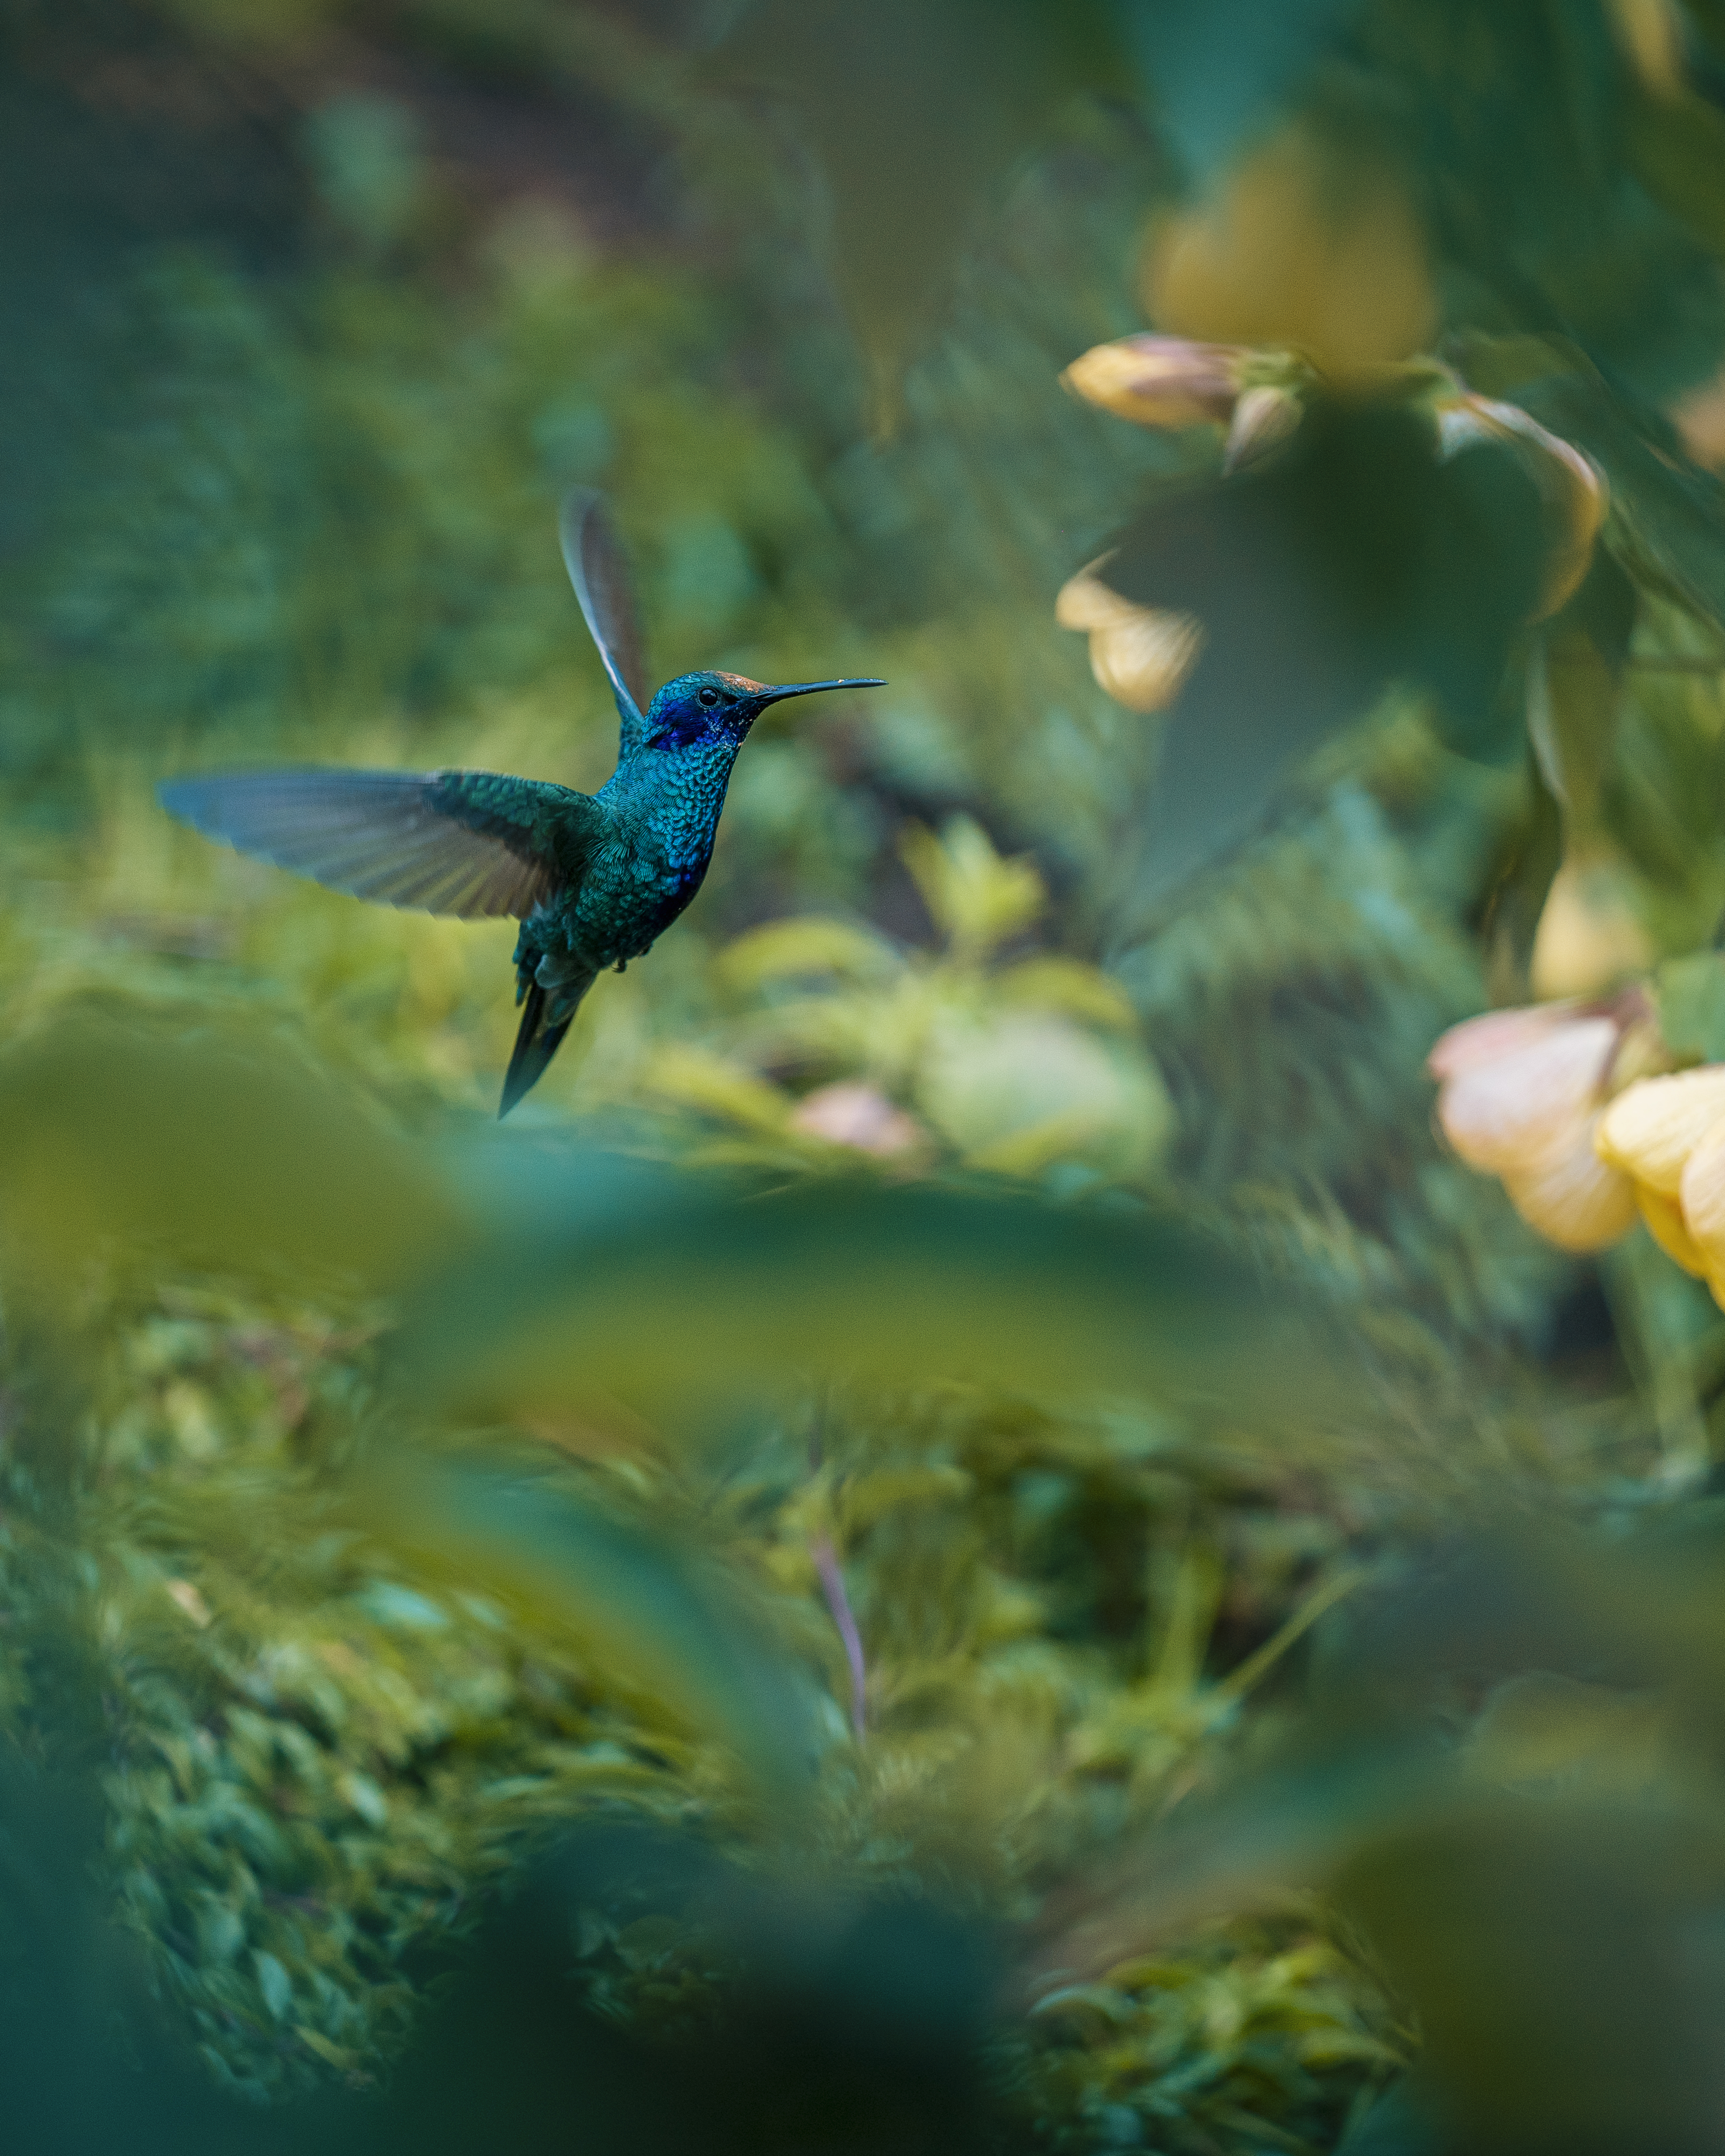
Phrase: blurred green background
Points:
(1002, 1221)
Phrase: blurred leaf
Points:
(619, 1276)
(1215, 73)
(1668, 517)
(787, 950)
(1064, 984)
(707, 1082)
(1574, 680)
(122, 1132)
(1352, 558)
(1538, 1945)
(978, 899)
(916, 113)
(1676, 148)
(658, 1615)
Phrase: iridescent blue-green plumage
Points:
(594, 879)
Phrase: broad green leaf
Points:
(607, 1274)
(123, 1133)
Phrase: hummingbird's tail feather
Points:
(546, 1016)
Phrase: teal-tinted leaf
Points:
(916, 112)
(274, 1983)
(1691, 1005)
(1215, 73)
(1351, 559)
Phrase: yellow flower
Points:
(1666, 1133)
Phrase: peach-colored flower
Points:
(858, 1115)
(1520, 1094)
(1571, 1197)
(1508, 1110)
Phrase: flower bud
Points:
(1571, 1196)
(1281, 255)
(1141, 655)
(1085, 602)
(1588, 937)
(1157, 381)
(1571, 487)
(1651, 1128)
(1506, 1114)
(1265, 417)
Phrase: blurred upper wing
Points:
(471, 843)
(600, 575)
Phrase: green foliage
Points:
(973, 1229)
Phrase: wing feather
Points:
(596, 568)
(469, 843)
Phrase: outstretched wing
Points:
(594, 560)
(471, 843)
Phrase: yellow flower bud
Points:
(1141, 655)
(1263, 417)
(1157, 381)
(1587, 937)
(1650, 1129)
(1085, 602)
(1571, 1196)
(1664, 1217)
(1298, 248)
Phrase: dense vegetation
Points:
(968, 1531)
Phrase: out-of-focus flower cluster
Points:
(1569, 1105)
(1141, 655)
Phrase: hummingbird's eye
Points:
(709, 696)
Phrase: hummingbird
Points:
(594, 879)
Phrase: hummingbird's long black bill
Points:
(811, 688)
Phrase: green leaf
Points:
(1691, 1005)
(607, 1274)
(124, 1134)
(656, 1614)
(916, 112)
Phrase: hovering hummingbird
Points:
(593, 878)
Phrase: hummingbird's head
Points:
(702, 707)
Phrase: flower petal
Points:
(1507, 1115)
(1572, 1198)
(1651, 1128)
